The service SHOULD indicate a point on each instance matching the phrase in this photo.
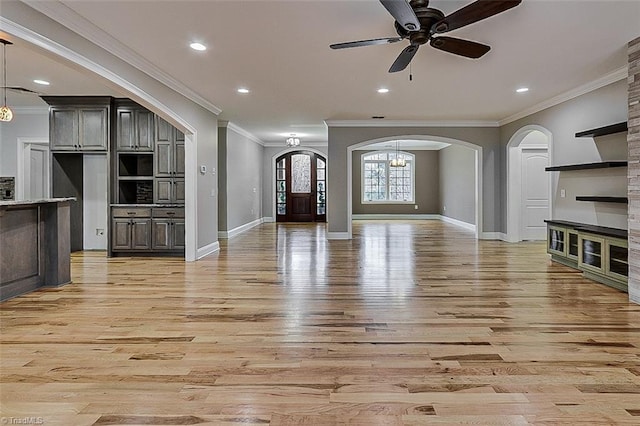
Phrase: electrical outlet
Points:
(415, 207)
(99, 231)
(563, 193)
(444, 208)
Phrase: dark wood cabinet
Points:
(134, 129)
(131, 229)
(79, 128)
(169, 150)
(168, 234)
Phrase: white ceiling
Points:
(279, 50)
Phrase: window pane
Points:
(320, 174)
(282, 163)
(282, 197)
(280, 174)
(301, 173)
(320, 164)
(282, 185)
(282, 209)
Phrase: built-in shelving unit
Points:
(603, 131)
(601, 199)
(587, 166)
(599, 252)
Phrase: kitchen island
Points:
(34, 245)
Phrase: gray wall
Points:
(268, 175)
(601, 107)
(458, 183)
(24, 125)
(340, 138)
(243, 162)
(427, 188)
(199, 124)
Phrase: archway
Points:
(528, 142)
(478, 173)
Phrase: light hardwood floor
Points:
(408, 323)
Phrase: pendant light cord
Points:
(4, 65)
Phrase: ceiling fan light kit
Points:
(5, 112)
(418, 23)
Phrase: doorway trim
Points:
(514, 173)
(25, 145)
(478, 175)
(279, 154)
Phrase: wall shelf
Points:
(587, 166)
(601, 199)
(603, 131)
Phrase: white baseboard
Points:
(337, 235)
(240, 229)
(395, 216)
(494, 236)
(465, 225)
(207, 250)
(268, 220)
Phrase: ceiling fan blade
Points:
(476, 11)
(20, 90)
(360, 43)
(458, 46)
(404, 58)
(402, 13)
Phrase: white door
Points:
(39, 169)
(535, 194)
(32, 181)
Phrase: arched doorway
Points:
(301, 187)
(528, 185)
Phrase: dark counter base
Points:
(34, 247)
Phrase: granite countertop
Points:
(29, 202)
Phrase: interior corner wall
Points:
(458, 183)
(222, 179)
(427, 187)
(341, 138)
(28, 125)
(243, 180)
(604, 106)
(199, 124)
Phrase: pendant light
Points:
(397, 161)
(5, 112)
(292, 141)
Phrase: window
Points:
(382, 183)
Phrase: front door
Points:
(301, 187)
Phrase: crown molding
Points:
(612, 77)
(62, 14)
(409, 123)
(239, 130)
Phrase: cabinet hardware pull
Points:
(131, 213)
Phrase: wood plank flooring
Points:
(406, 324)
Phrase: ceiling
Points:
(279, 50)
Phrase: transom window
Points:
(383, 183)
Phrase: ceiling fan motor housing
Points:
(427, 17)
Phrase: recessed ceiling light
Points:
(383, 90)
(522, 90)
(198, 46)
(243, 90)
(43, 82)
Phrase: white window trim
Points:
(411, 160)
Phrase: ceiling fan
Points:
(418, 22)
